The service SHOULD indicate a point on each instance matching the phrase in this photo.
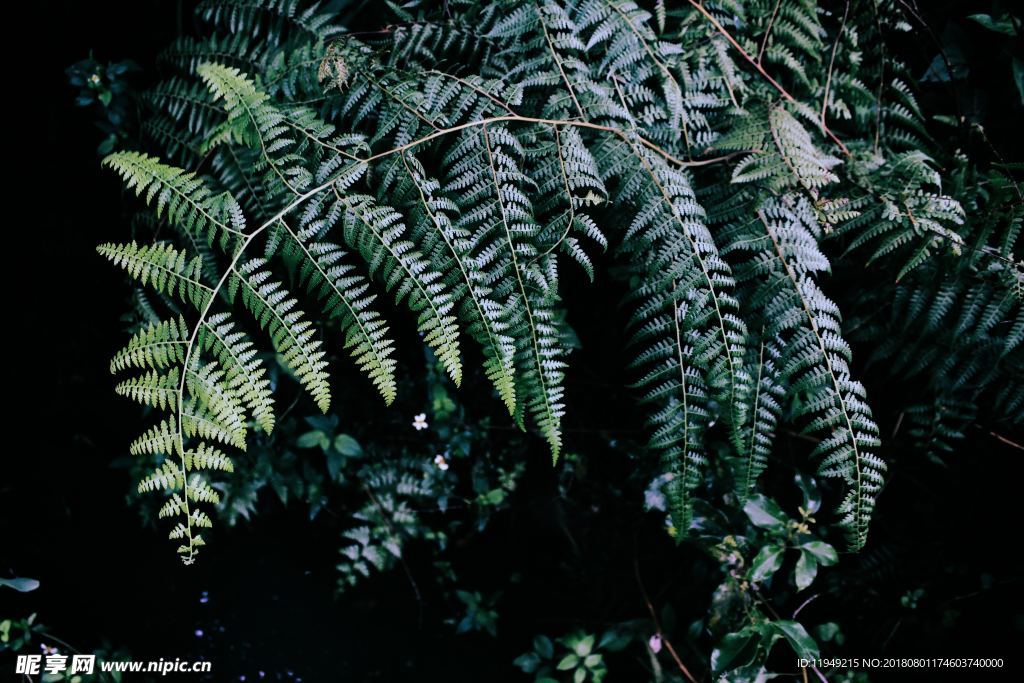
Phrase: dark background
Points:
(64, 519)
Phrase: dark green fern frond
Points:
(484, 173)
(815, 358)
(377, 233)
(762, 414)
(438, 237)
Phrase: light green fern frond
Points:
(185, 199)
(162, 267)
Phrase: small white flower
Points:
(420, 421)
(441, 463)
(94, 79)
(655, 643)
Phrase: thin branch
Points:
(657, 623)
(768, 31)
(746, 55)
(831, 65)
(1008, 442)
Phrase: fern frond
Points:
(157, 346)
(244, 373)
(498, 189)
(450, 247)
(197, 421)
(344, 295)
(152, 389)
(762, 415)
(160, 439)
(204, 457)
(376, 231)
(292, 335)
(208, 386)
(166, 477)
(162, 267)
(816, 361)
(184, 197)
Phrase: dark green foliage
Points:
(728, 156)
(566, 125)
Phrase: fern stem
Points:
(831, 65)
(768, 31)
(558, 60)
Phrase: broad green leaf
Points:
(806, 570)
(765, 513)
(824, 553)
(527, 663)
(1003, 24)
(313, 439)
(543, 646)
(766, 563)
(568, 662)
(347, 446)
(734, 650)
(800, 640)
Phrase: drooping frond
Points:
(377, 232)
(762, 414)
(686, 318)
(185, 199)
(163, 268)
(730, 154)
(292, 334)
(444, 243)
(483, 171)
(814, 355)
(344, 294)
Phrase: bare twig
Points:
(657, 623)
(775, 84)
(1008, 442)
(768, 31)
(831, 65)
